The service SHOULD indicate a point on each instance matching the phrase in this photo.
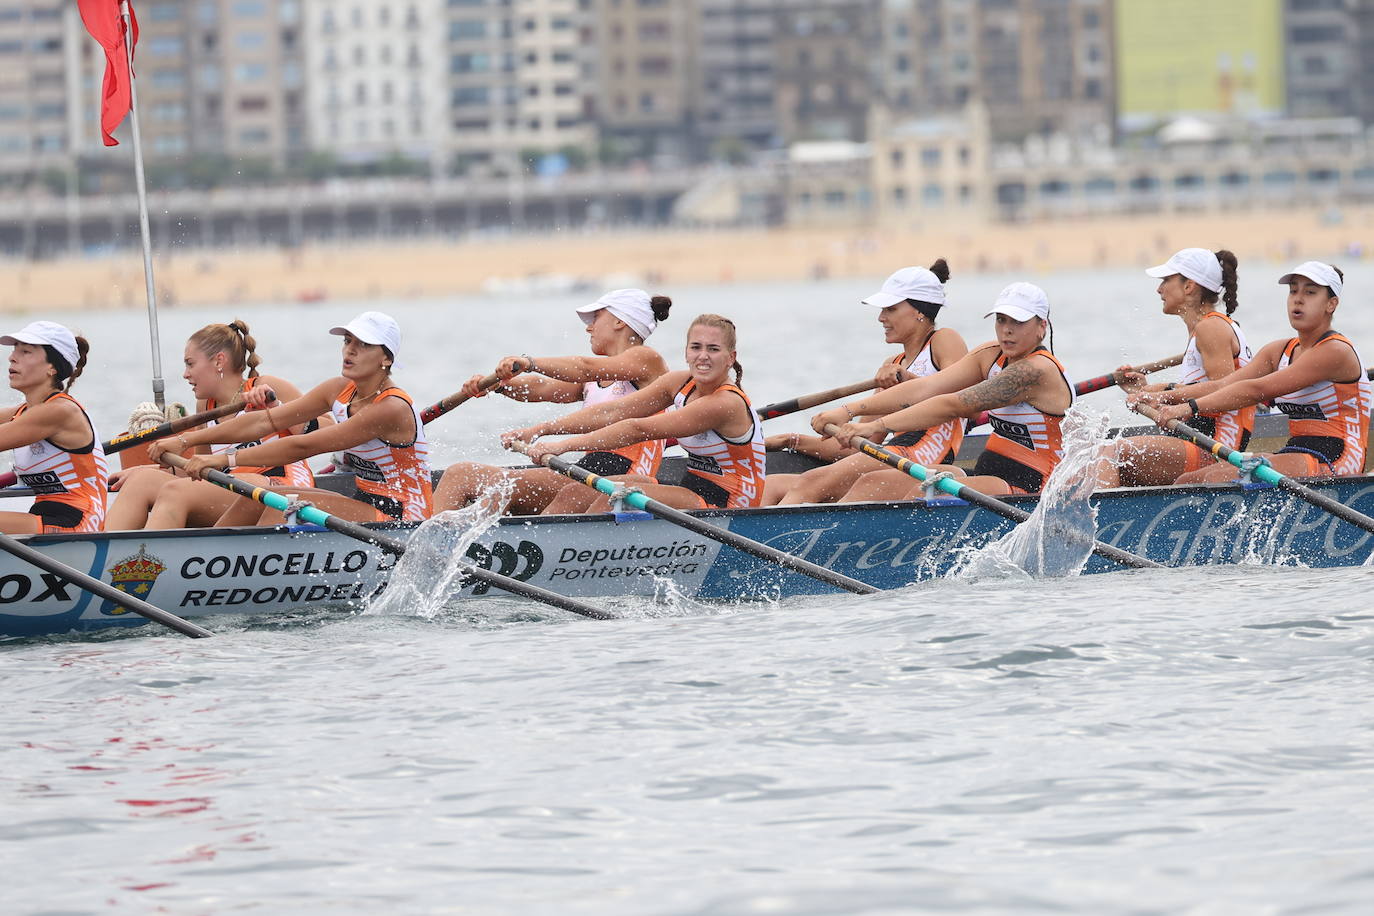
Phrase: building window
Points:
(930, 156)
(250, 9)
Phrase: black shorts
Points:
(713, 494)
(384, 504)
(605, 464)
(1208, 427)
(1015, 473)
(1326, 449)
(58, 515)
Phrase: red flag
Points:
(107, 27)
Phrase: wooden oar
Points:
(1097, 384)
(100, 589)
(314, 516)
(706, 529)
(806, 401)
(1263, 472)
(161, 431)
(436, 410)
(953, 487)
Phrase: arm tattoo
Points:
(1008, 387)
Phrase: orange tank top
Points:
(388, 470)
(645, 457)
(76, 478)
(1024, 433)
(1330, 410)
(297, 473)
(735, 465)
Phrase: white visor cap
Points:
(1317, 272)
(632, 306)
(1197, 264)
(1022, 301)
(916, 283)
(378, 329)
(48, 333)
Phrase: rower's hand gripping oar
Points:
(1261, 470)
(678, 517)
(444, 405)
(953, 487)
(308, 513)
(807, 401)
(1088, 386)
(99, 588)
(161, 431)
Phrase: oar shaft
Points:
(314, 516)
(1088, 386)
(678, 517)
(437, 410)
(100, 589)
(1264, 472)
(171, 428)
(954, 488)
(807, 401)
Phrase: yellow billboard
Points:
(1197, 57)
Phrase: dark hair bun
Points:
(660, 305)
(941, 270)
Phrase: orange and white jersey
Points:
(933, 445)
(76, 478)
(296, 474)
(1331, 410)
(1026, 434)
(736, 466)
(644, 457)
(388, 470)
(1228, 428)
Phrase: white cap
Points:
(1197, 264)
(631, 306)
(909, 283)
(1022, 301)
(1316, 271)
(50, 333)
(377, 329)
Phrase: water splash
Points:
(430, 572)
(1057, 539)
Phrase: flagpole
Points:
(159, 386)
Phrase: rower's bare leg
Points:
(828, 483)
(883, 485)
(574, 499)
(134, 499)
(186, 503)
(467, 482)
(1225, 472)
(775, 487)
(244, 512)
(326, 501)
(677, 497)
(20, 523)
(1144, 461)
(985, 483)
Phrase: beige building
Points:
(37, 52)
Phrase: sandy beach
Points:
(528, 265)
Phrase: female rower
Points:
(377, 428)
(1191, 283)
(909, 301)
(710, 417)
(56, 449)
(1015, 379)
(221, 366)
(1317, 378)
(618, 324)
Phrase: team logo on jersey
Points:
(135, 576)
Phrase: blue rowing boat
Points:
(265, 571)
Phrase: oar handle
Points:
(437, 410)
(954, 488)
(807, 401)
(1088, 386)
(1264, 471)
(100, 588)
(315, 516)
(666, 512)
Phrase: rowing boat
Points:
(267, 571)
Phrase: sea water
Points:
(1148, 741)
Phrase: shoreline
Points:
(559, 262)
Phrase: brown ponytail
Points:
(726, 325)
(660, 306)
(941, 270)
(232, 339)
(1228, 263)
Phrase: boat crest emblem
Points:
(135, 576)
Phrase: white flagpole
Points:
(158, 384)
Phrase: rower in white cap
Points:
(1317, 378)
(377, 428)
(57, 451)
(1016, 379)
(618, 324)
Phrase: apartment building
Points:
(36, 84)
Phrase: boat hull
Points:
(890, 545)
